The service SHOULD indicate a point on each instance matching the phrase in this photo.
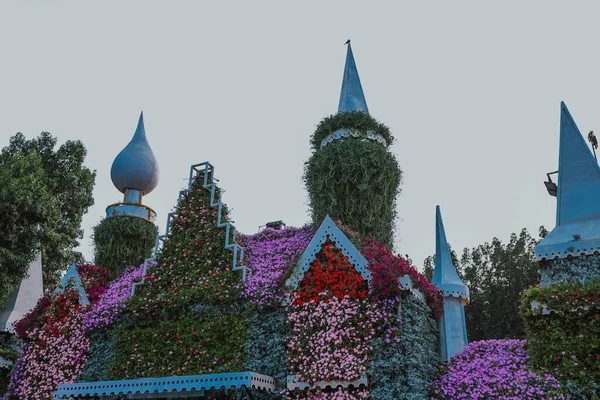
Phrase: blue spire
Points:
(445, 276)
(578, 196)
(577, 228)
(352, 97)
(135, 167)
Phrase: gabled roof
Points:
(577, 228)
(73, 274)
(327, 230)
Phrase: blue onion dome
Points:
(136, 167)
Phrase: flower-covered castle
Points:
(322, 311)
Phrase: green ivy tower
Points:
(127, 235)
(352, 175)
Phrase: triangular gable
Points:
(74, 275)
(328, 229)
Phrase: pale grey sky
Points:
(471, 91)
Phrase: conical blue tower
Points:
(577, 228)
(453, 327)
(352, 97)
(135, 173)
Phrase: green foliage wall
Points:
(121, 241)
(99, 356)
(584, 268)
(567, 341)
(44, 185)
(402, 370)
(353, 180)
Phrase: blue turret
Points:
(453, 328)
(577, 228)
(134, 173)
(352, 97)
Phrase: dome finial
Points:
(352, 97)
(136, 167)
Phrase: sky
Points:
(471, 90)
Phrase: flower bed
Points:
(494, 369)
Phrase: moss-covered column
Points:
(352, 176)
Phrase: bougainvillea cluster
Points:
(270, 254)
(94, 280)
(494, 369)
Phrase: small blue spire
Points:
(445, 276)
(578, 196)
(135, 167)
(352, 97)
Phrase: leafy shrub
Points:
(123, 240)
(494, 369)
(356, 182)
(567, 340)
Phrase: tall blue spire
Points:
(578, 196)
(352, 97)
(577, 228)
(445, 276)
(453, 324)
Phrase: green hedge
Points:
(357, 120)
(121, 241)
(356, 182)
(567, 341)
(182, 347)
(99, 356)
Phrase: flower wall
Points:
(566, 341)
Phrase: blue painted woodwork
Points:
(577, 228)
(135, 167)
(73, 275)
(445, 276)
(208, 172)
(453, 327)
(135, 210)
(173, 386)
(352, 97)
(328, 229)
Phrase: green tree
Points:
(496, 274)
(46, 187)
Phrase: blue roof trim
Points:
(161, 387)
(230, 231)
(328, 229)
(73, 274)
(352, 97)
(577, 228)
(445, 276)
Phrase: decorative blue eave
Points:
(167, 387)
(135, 167)
(577, 228)
(327, 230)
(352, 97)
(445, 276)
(73, 275)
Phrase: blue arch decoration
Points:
(208, 170)
(327, 230)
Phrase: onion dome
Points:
(136, 167)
